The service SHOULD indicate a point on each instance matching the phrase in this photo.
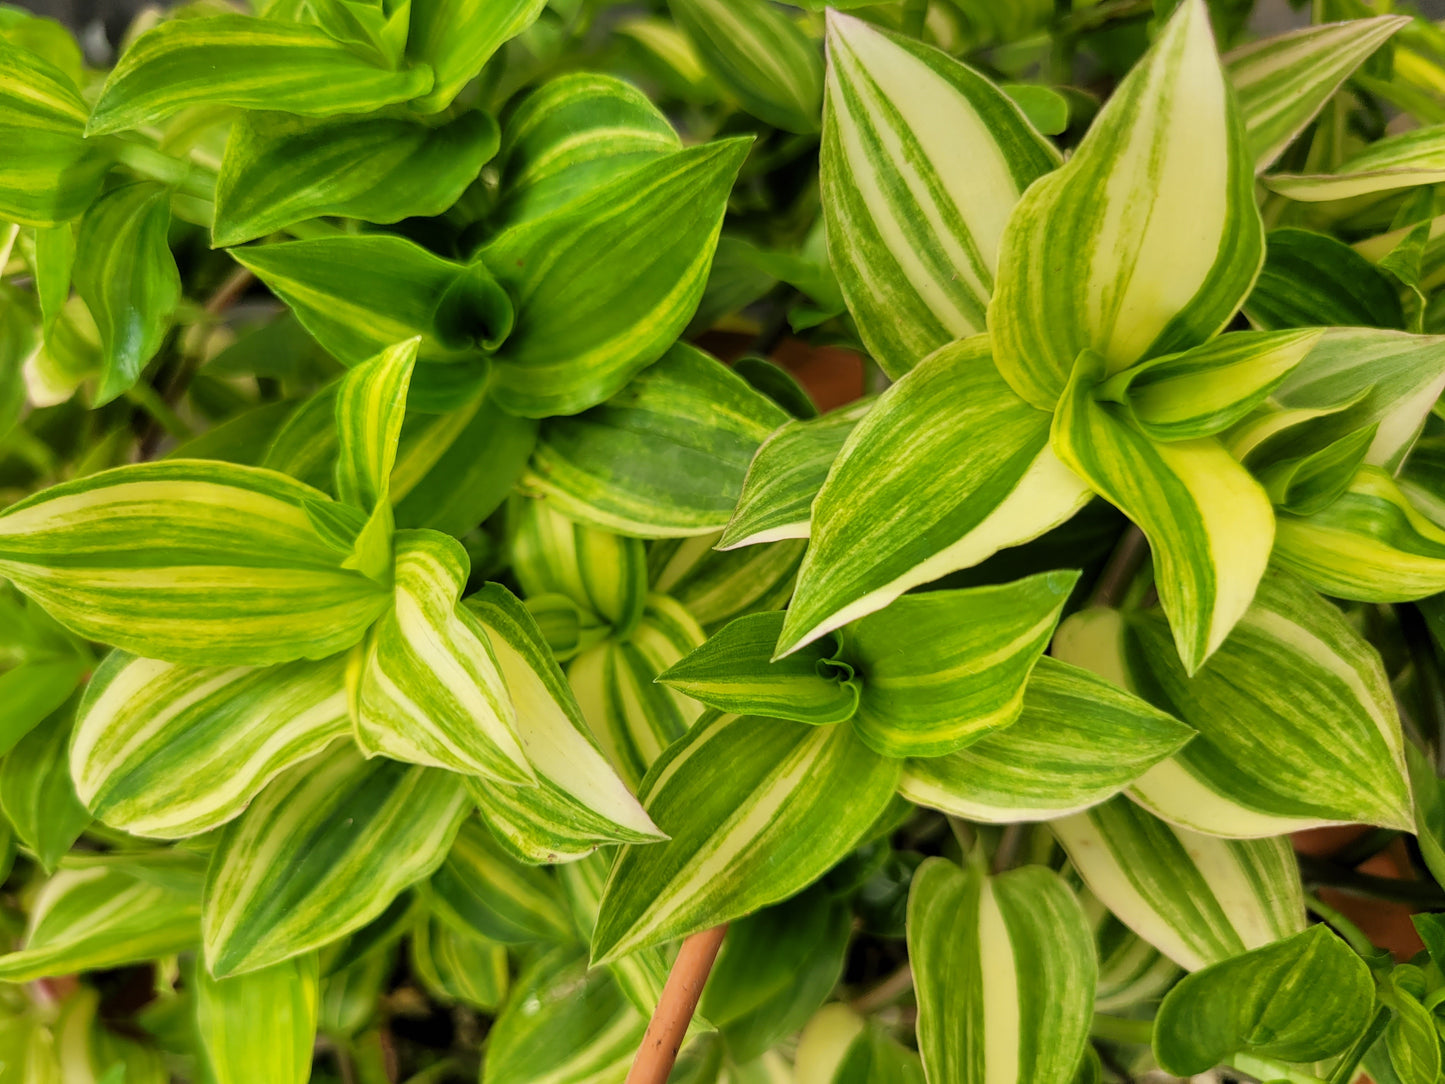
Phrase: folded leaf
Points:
(949, 467)
(604, 285)
(1312, 280)
(455, 38)
(665, 457)
(370, 406)
(480, 890)
(280, 170)
(36, 792)
(1147, 240)
(1005, 970)
(1281, 83)
(1078, 741)
(1310, 483)
(458, 967)
(1197, 899)
(1302, 999)
(785, 475)
(321, 852)
(1209, 524)
(261, 1025)
(795, 799)
(716, 587)
(602, 572)
(192, 561)
(249, 63)
(1400, 161)
(923, 160)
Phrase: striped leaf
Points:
(1204, 391)
(632, 717)
(321, 852)
(248, 63)
(1400, 161)
(1197, 899)
(578, 802)
(734, 672)
(36, 792)
(664, 458)
(480, 890)
(604, 285)
(1078, 741)
(1209, 524)
(192, 561)
(456, 38)
(760, 55)
(923, 160)
(574, 133)
(279, 170)
(457, 967)
(1312, 280)
(171, 751)
(794, 800)
(1005, 971)
(941, 669)
(716, 587)
(785, 475)
(1131, 971)
(97, 918)
(370, 406)
(261, 1025)
(427, 687)
(949, 467)
(1281, 83)
(840, 1047)
(1147, 240)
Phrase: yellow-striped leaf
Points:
(456, 38)
(716, 587)
(1198, 899)
(321, 852)
(840, 1047)
(482, 891)
(1312, 280)
(1005, 971)
(1078, 741)
(261, 1025)
(460, 967)
(1147, 240)
(36, 791)
(192, 561)
(1400, 161)
(1209, 524)
(170, 751)
(794, 800)
(949, 467)
(923, 160)
(246, 62)
(1131, 971)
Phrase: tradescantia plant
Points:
(422, 659)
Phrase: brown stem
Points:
(1123, 563)
(885, 993)
(674, 1010)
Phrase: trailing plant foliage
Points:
(412, 632)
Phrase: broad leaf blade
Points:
(1400, 161)
(455, 38)
(36, 791)
(261, 1025)
(481, 891)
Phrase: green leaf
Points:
(1045, 108)
(794, 800)
(839, 1047)
(321, 852)
(733, 672)
(1310, 483)
(457, 37)
(1312, 280)
(458, 967)
(1147, 240)
(578, 802)
(1281, 83)
(280, 170)
(32, 691)
(785, 475)
(170, 751)
(1209, 524)
(1131, 971)
(1411, 1039)
(249, 63)
(760, 55)
(1198, 899)
(36, 792)
(1078, 741)
(261, 1025)
(1302, 999)
(191, 561)
(94, 919)
(665, 457)
(604, 285)
(717, 587)
(370, 406)
(1005, 971)
(1400, 161)
(480, 890)
(127, 277)
(949, 467)
(923, 161)
(941, 669)
(602, 572)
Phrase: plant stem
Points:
(1123, 564)
(886, 992)
(1344, 1072)
(1118, 1029)
(1319, 871)
(1008, 848)
(1342, 926)
(162, 416)
(668, 1026)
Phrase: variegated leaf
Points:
(1148, 240)
(456, 38)
(321, 852)
(841, 1047)
(1005, 970)
(261, 1025)
(459, 967)
(1078, 741)
(171, 751)
(715, 586)
(599, 571)
(794, 800)
(193, 561)
(922, 163)
(1198, 899)
(949, 467)
(370, 406)
(1400, 161)
(1131, 971)
(480, 890)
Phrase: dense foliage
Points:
(411, 632)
